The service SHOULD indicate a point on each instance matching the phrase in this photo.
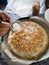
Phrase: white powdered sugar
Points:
(30, 29)
(16, 27)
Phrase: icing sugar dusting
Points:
(30, 29)
(16, 27)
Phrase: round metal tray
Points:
(13, 59)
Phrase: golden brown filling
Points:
(29, 38)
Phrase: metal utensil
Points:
(12, 22)
(14, 59)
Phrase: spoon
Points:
(12, 22)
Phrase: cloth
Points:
(3, 61)
(23, 8)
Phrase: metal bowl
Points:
(11, 59)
